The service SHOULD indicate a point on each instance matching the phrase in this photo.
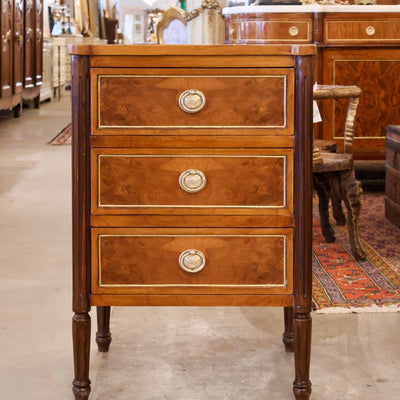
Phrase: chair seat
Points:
(326, 145)
(332, 162)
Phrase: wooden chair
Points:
(333, 173)
(172, 28)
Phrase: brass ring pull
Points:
(192, 260)
(192, 180)
(192, 101)
(293, 31)
(370, 30)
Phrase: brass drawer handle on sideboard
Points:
(370, 30)
(192, 180)
(293, 31)
(192, 101)
(192, 260)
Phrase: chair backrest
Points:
(172, 28)
(341, 92)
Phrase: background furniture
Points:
(172, 28)
(357, 45)
(33, 45)
(21, 27)
(392, 194)
(46, 90)
(62, 59)
(11, 55)
(192, 185)
(334, 177)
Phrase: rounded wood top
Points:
(192, 50)
(313, 8)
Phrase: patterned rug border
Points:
(392, 308)
(64, 137)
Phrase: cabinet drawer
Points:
(258, 31)
(125, 181)
(136, 101)
(166, 261)
(362, 31)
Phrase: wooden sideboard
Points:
(21, 30)
(357, 45)
(192, 185)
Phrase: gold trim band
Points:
(100, 126)
(99, 204)
(283, 285)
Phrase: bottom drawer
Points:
(192, 261)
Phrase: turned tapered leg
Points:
(103, 335)
(302, 352)
(288, 339)
(321, 185)
(81, 343)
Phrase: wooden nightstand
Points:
(192, 176)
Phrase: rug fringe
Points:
(359, 310)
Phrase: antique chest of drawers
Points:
(357, 45)
(192, 185)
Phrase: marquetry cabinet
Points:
(192, 172)
(357, 45)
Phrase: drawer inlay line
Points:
(101, 126)
(280, 39)
(282, 285)
(99, 204)
(367, 39)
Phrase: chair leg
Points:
(321, 185)
(288, 336)
(103, 335)
(352, 190)
(336, 199)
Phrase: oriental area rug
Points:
(63, 137)
(341, 284)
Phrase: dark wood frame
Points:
(297, 335)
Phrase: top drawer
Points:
(259, 31)
(140, 102)
(362, 31)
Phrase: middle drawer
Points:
(181, 181)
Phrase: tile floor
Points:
(156, 353)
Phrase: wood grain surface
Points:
(123, 179)
(378, 76)
(192, 50)
(340, 31)
(202, 300)
(142, 261)
(145, 101)
(268, 28)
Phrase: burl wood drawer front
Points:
(362, 31)
(131, 260)
(258, 31)
(133, 101)
(257, 181)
